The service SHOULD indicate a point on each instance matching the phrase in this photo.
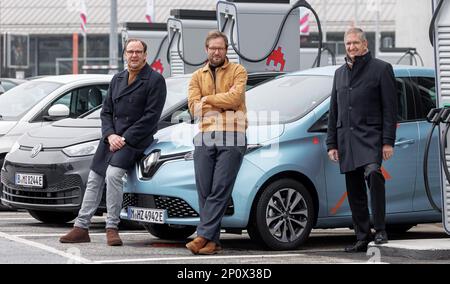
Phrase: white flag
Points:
(83, 16)
(304, 21)
(150, 14)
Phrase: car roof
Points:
(330, 70)
(66, 79)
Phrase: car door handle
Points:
(405, 142)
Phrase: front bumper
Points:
(173, 188)
(64, 181)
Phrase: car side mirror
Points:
(57, 112)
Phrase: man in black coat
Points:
(130, 116)
(361, 133)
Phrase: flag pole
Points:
(84, 51)
(83, 16)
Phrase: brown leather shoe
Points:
(210, 248)
(113, 238)
(197, 244)
(75, 236)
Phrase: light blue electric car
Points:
(287, 185)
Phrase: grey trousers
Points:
(216, 166)
(93, 197)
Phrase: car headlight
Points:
(150, 161)
(15, 147)
(81, 150)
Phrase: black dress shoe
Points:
(359, 246)
(381, 238)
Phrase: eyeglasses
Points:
(138, 52)
(212, 49)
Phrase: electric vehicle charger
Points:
(159, 50)
(414, 55)
(170, 45)
(179, 52)
(299, 4)
(435, 117)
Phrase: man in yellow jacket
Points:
(217, 100)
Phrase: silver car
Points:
(40, 102)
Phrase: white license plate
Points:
(30, 180)
(155, 216)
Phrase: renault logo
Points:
(36, 150)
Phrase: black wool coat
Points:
(363, 112)
(131, 111)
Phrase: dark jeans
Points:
(217, 159)
(357, 197)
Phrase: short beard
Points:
(218, 64)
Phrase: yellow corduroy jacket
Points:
(224, 108)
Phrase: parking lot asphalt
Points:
(23, 240)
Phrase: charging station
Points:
(252, 27)
(155, 36)
(441, 23)
(187, 31)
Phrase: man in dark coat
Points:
(130, 116)
(361, 133)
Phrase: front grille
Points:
(65, 192)
(130, 200)
(176, 207)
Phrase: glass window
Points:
(425, 89)
(405, 100)
(15, 103)
(177, 91)
(8, 85)
(64, 100)
(289, 97)
(87, 98)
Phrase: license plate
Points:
(155, 216)
(30, 180)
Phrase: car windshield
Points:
(177, 91)
(15, 103)
(287, 98)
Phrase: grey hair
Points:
(358, 31)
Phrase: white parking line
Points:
(62, 233)
(17, 219)
(71, 257)
(197, 258)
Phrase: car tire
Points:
(166, 232)
(48, 217)
(276, 227)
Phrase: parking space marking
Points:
(60, 234)
(16, 219)
(71, 257)
(197, 258)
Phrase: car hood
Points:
(6, 126)
(179, 138)
(64, 133)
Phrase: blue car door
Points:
(400, 171)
